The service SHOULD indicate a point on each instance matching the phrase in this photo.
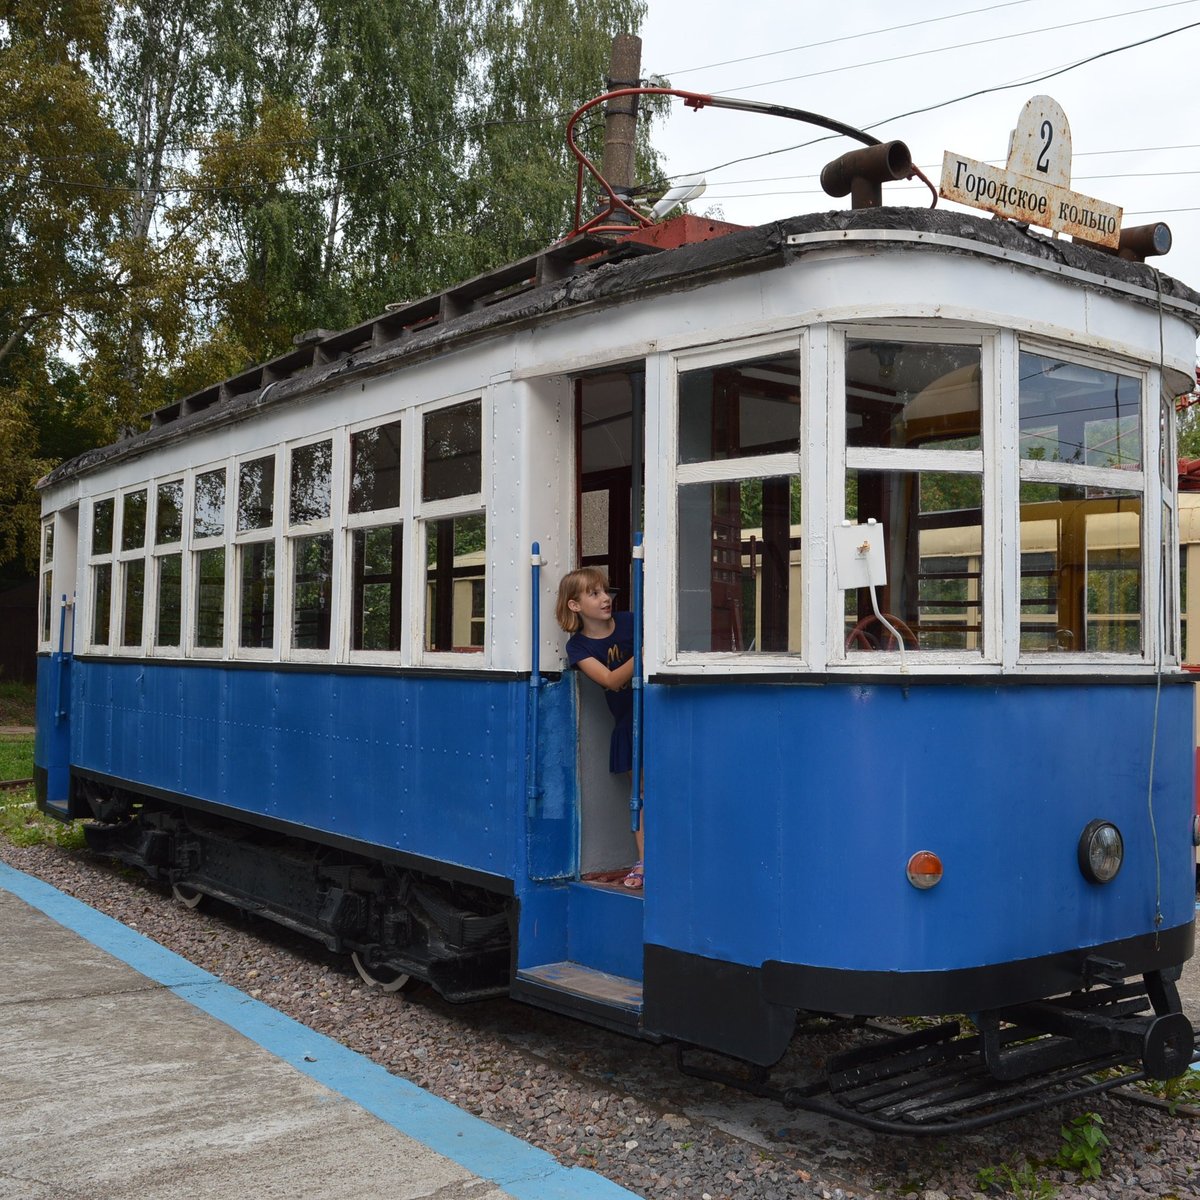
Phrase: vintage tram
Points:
(913, 730)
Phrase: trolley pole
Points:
(620, 119)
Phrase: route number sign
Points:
(1036, 186)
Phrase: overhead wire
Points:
(1001, 87)
(1002, 37)
(925, 167)
(849, 37)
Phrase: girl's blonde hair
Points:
(572, 585)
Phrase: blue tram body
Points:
(315, 687)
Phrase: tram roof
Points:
(592, 271)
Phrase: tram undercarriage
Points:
(960, 1075)
(399, 925)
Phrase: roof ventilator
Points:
(862, 173)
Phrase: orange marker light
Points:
(924, 869)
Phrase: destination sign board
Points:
(1035, 186)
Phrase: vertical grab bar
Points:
(59, 711)
(533, 791)
(635, 798)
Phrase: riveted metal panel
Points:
(430, 765)
(780, 820)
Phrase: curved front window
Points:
(1007, 480)
(1080, 436)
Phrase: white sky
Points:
(1134, 114)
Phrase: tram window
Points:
(47, 578)
(102, 527)
(375, 468)
(309, 492)
(933, 524)
(101, 547)
(133, 604)
(101, 603)
(1167, 540)
(1081, 569)
(377, 595)
(210, 598)
(454, 550)
(478, 600)
(168, 578)
(739, 566)
(168, 517)
(1168, 468)
(905, 395)
(312, 591)
(133, 520)
(170, 599)
(132, 570)
(1183, 609)
(1071, 413)
(256, 494)
(209, 515)
(256, 629)
(740, 410)
(452, 458)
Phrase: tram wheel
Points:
(188, 897)
(386, 979)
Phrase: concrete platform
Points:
(126, 1071)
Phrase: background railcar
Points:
(311, 668)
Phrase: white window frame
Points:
(767, 466)
(1168, 619)
(417, 526)
(156, 552)
(332, 526)
(121, 560)
(195, 546)
(1083, 662)
(45, 600)
(97, 560)
(983, 463)
(270, 533)
(377, 519)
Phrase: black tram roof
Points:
(597, 271)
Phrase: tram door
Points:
(608, 432)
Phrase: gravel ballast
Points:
(619, 1106)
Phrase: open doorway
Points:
(609, 424)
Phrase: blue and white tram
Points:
(915, 737)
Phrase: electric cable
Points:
(894, 58)
(849, 37)
(1001, 87)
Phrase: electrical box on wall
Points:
(858, 555)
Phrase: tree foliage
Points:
(188, 184)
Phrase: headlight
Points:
(1101, 851)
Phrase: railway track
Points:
(602, 1100)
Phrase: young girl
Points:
(601, 646)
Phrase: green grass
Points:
(23, 825)
(16, 703)
(16, 757)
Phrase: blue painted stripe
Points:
(521, 1170)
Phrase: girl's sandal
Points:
(636, 877)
